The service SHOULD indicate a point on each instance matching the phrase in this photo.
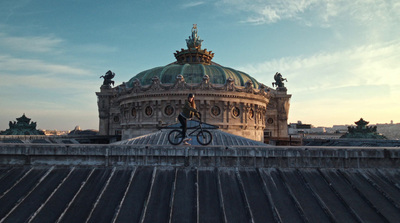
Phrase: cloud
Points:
(9, 63)
(53, 115)
(40, 46)
(56, 93)
(8, 8)
(266, 15)
(364, 65)
(313, 12)
(262, 12)
(37, 44)
(341, 86)
(33, 83)
(96, 48)
(192, 4)
(45, 83)
(57, 101)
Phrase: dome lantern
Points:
(194, 54)
(194, 41)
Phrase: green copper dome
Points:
(193, 74)
(193, 63)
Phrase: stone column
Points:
(283, 105)
(104, 105)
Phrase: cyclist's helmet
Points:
(191, 95)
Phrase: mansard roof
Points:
(176, 194)
(127, 183)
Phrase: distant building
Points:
(54, 132)
(391, 131)
(363, 131)
(230, 99)
(78, 131)
(23, 126)
(308, 131)
(299, 128)
(339, 129)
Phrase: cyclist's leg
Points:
(183, 122)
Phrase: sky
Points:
(341, 58)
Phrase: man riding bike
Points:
(188, 111)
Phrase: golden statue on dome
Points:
(194, 41)
(194, 54)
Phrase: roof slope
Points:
(185, 194)
(219, 138)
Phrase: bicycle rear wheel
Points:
(204, 137)
(175, 137)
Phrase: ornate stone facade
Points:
(144, 109)
(154, 98)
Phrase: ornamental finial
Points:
(194, 41)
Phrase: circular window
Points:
(148, 110)
(133, 112)
(235, 112)
(215, 111)
(270, 121)
(116, 118)
(251, 113)
(169, 110)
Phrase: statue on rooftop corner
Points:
(279, 80)
(194, 41)
(108, 78)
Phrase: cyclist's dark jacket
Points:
(188, 111)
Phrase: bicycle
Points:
(204, 137)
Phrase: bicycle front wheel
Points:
(204, 137)
(175, 137)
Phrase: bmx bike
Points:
(204, 137)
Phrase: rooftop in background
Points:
(23, 126)
(362, 131)
(389, 130)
